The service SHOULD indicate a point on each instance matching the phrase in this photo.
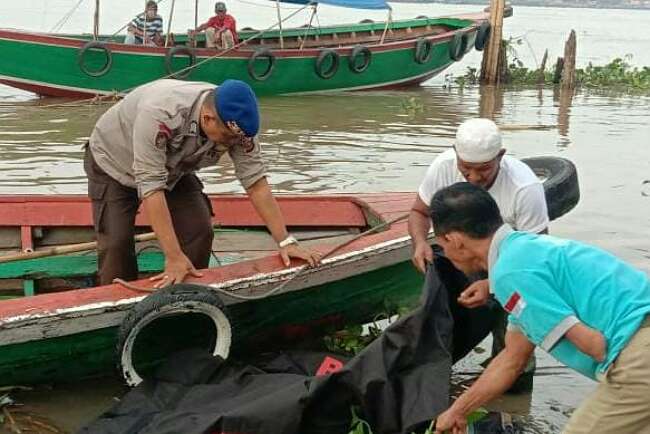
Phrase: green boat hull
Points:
(257, 325)
(53, 65)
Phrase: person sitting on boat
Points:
(147, 148)
(149, 22)
(479, 158)
(220, 30)
(589, 309)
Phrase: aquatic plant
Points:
(618, 74)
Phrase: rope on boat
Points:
(117, 94)
(59, 24)
(297, 273)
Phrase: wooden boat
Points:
(58, 336)
(358, 56)
(56, 325)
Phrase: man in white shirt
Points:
(479, 158)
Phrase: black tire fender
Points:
(263, 53)
(327, 53)
(95, 45)
(458, 46)
(169, 56)
(423, 50)
(359, 51)
(482, 35)
(172, 300)
(560, 179)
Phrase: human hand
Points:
(176, 270)
(476, 294)
(295, 251)
(422, 256)
(451, 421)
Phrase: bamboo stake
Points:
(277, 5)
(490, 73)
(311, 18)
(169, 24)
(144, 30)
(542, 69)
(96, 21)
(569, 70)
(557, 74)
(196, 14)
(63, 250)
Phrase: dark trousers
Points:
(471, 326)
(114, 210)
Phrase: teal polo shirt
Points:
(547, 285)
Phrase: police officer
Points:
(146, 148)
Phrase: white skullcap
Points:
(477, 140)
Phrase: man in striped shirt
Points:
(146, 28)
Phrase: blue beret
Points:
(236, 102)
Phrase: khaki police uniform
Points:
(151, 141)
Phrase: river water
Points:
(384, 141)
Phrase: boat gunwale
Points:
(206, 53)
(46, 320)
(267, 267)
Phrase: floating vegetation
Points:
(617, 75)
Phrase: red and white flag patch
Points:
(163, 136)
(515, 304)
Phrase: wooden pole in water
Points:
(541, 78)
(96, 21)
(557, 73)
(569, 70)
(490, 73)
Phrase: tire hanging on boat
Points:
(95, 45)
(325, 55)
(560, 179)
(263, 53)
(458, 46)
(482, 36)
(423, 50)
(171, 301)
(363, 52)
(169, 56)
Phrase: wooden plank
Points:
(230, 210)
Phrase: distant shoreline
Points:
(538, 4)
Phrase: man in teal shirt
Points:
(587, 308)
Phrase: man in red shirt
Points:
(220, 30)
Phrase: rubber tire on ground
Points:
(482, 36)
(458, 46)
(561, 186)
(98, 46)
(172, 300)
(359, 50)
(263, 53)
(322, 56)
(186, 70)
(423, 50)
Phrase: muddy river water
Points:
(384, 141)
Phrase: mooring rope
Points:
(59, 24)
(297, 273)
